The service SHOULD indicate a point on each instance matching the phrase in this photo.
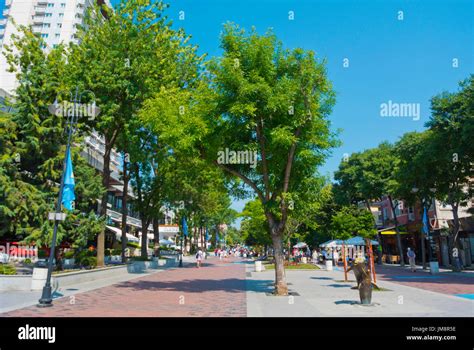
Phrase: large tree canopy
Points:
(267, 104)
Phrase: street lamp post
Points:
(426, 203)
(181, 253)
(72, 116)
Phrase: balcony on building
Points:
(38, 19)
(40, 10)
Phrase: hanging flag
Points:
(69, 184)
(207, 234)
(185, 226)
(426, 229)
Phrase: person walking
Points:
(335, 257)
(315, 256)
(199, 256)
(411, 259)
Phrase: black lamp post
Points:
(72, 117)
(182, 252)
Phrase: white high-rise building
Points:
(55, 20)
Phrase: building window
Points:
(44, 35)
(48, 14)
(50, 5)
(63, 5)
(61, 15)
(60, 25)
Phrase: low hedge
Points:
(6, 269)
(89, 261)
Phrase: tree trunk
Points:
(457, 260)
(156, 236)
(124, 211)
(144, 248)
(202, 239)
(344, 261)
(397, 233)
(281, 288)
(103, 206)
(423, 250)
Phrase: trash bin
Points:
(258, 266)
(434, 267)
(329, 265)
(38, 279)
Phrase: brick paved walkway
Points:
(444, 282)
(216, 289)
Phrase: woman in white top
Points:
(335, 257)
(199, 256)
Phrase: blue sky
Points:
(405, 61)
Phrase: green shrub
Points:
(27, 261)
(117, 251)
(86, 252)
(107, 252)
(69, 254)
(139, 258)
(89, 261)
(133, 245)
(6, 269)
(41, 254)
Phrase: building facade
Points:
(56, 21)
(410, 223)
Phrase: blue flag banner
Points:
(426, 229)
(69, 184)
(185, 226)
(207, 234)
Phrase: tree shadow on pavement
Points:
(231, 285)
(339, 285)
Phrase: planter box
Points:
(24, 282)
(142, 266)
(115, 259)
(171, 262)
(69, 262)
(15, 282)
(38, 279)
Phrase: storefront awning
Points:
(118, 234)
(392, 232)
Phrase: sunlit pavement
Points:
(216, 289)
(231, 288)
(315, 293)
(460, 284)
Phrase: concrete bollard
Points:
(329, 265)
(258, 266)
(434, 267)
(38, 279)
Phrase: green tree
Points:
(32, 156)
(352, 221)
(368, 176)
(265, 100)
(254, 225)
(451, 123)
(124, 60)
